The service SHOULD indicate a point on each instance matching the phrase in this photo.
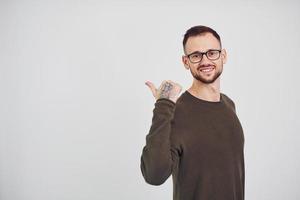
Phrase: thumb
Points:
(152, 87)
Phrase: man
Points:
(197, 137)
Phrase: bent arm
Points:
(156, 159)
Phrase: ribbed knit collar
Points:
(202, 101)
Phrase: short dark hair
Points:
(199, 30)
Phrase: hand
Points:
(168, 89)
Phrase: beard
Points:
(202, 78)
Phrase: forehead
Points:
(202, 43)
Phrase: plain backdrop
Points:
(75, 110)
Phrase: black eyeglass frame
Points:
(202, 53)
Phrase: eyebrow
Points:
(201, 52)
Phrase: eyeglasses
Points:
(212, 54)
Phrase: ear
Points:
(185, 62)
(224, 56)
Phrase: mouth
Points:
(207, 70)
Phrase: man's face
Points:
(213, 68)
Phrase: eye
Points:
(196, 55)
(212, 53)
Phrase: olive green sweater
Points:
(199, 142)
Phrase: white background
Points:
(75, 111)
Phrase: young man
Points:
(197, 136)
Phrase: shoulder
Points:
(182, 104)
(227, 100)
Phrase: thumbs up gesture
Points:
(168, 89)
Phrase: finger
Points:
(152, 87)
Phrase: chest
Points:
(217, 132)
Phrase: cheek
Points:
(194, 65)
(219, 63)
(223, 60)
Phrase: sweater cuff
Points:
(168, 101)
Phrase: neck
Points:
(208, 92)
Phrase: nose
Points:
(204, 55)
(205, 60)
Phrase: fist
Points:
(168, 89)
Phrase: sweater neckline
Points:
(202, 101)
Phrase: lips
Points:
(206, 69)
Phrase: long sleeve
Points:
(157, 157)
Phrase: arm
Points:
(233, 106)
(157, 157)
